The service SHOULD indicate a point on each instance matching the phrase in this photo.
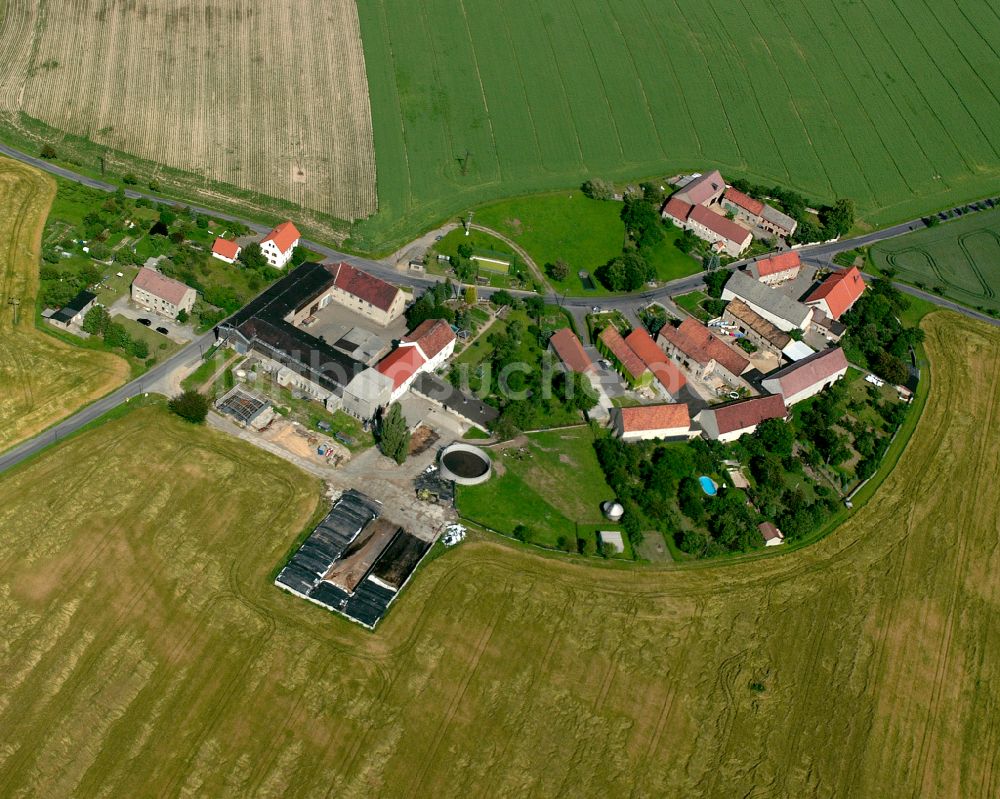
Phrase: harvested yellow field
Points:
(268, 97)
(42, 379)
(146, 652)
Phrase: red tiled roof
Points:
(701, 189)
(655, 417)
(697, 342)
(815, 368)
(717, 223)
(656, 360)
(159, 285)
(363, 286)
(570, 351)
(626, 356)
(283, 236)
(432, 335)
(226, 248)
(778, 263)
(676, 208)
(401, 364)
(746, 413)
(841, 290)
(744, 201)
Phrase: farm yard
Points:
(271, 99)
(474, 101)
(959, 259)
(589, 681)
(42, 379)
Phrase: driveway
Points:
(176, 332)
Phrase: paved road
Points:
(819, 253)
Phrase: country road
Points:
(817, 253)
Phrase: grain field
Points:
(268, 97)
(146, 653)
(42, 379)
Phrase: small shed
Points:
(772, 535)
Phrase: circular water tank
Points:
(613, 510)
(465, 464)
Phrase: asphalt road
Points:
(818, 253)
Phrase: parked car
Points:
(162, 330)
(145, 322)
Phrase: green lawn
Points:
(691, 303)
(533, 488)
(668, 261)
(884, 102)
(959, 259)
(156, 341)
(566, 225)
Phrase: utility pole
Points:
(15, 302)
(468, 223)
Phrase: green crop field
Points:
(146, 652)
(961, 258)
(888, 103)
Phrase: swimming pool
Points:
(708, 485)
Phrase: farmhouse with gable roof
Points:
(277, 245)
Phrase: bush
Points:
(558, 270)
(598, 189)
(48, 152)
(139, 348)
(129, 179)
(191, 406)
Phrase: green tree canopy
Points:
(191, 406)
(393, 434)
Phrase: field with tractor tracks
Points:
(888, 103)
(959, 259)
(42, 379)
(270, 98)
(146, 652)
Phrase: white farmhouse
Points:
(277, 245)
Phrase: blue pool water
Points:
(708, 485)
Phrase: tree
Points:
(642, 221)
(191, 406)
(837, 219)
(129, 179)
(521, 532)
(715, 281)
(465, 250)
(776, 436)
(535, 306)
(627, 272)
(48, 152)
(502, 297)
(115, 335)
(251, 256)
(96, 320)
(393, 434)
(558, 270)
(470, 295)
(299, 255)
(167, 217)
(598, 189)
(139, 348)
(575, 390)
(182, 316)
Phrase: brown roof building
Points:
(664, 370)
(755, 327)
(703, 190)
(777, 268)
(162, 294)
(630, 363)
(694, 346)
(730, 421)
(809, 376)
(569, 350)
(838, 292)
(644, 422)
